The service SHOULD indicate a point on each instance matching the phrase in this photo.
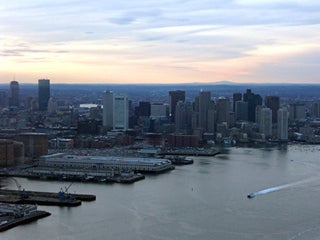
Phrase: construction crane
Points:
(22, 192)
(67, 188)
(64, 195)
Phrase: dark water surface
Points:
(206, 200)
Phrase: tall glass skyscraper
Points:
(43, 94)
(174, 98)
(14, 94)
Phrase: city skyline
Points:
(159, 42)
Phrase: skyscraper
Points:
(204, 103)
(282, 125)
(144, 109)
(253, 101)
(115, 111)
(236, 97)
(3, 99)
(297, 111)
(43, 94)
(273, 102)
(222, 110)
(241, 111)
(315, 110)
(265, 122)
(121, 113)
(183, 116)
(108, 109)
(174, 98)
(14, 94)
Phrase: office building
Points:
(282, 124)
(204, 104)
(115, 111)
(108, 98)
(43, 94)
(174, 98)
(236, 98)
(159, 110)
(273, 102)
(143, 110)
(3, 99)
(183, 116)
(265, 122)
(253, 101)
(315, 110)
(121, 113)
(14, 100)
(297, 111)
(222, 110)
(241, 111)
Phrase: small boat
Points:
(251, 195)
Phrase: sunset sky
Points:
(160, 41)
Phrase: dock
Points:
(23, 220)
(203, 153)
(44, 198)
(81, 197)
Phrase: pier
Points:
(204, 153)
(12, 215)
(44, 198)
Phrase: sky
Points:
(160, 41)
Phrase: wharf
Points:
(23, 220)
(81, 197)
(68, 175)
(40, 198)
(204, 153)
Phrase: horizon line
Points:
(168, 84)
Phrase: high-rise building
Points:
(297, 111)
(52, 105)
(174, 98)
(253, 101)
(273, 102)
(14, 94)
(258, 113)
(108, 98)
(212, 120)
(265, 122)
(3, 99)
(241, 111)
(144, 109)
(282, 124)
(159, 110)
(183, 116)
(236, 98)
(43, 94)
(315, 110)
(115, 111)
(222, 110)
(121, 113)
(204, 104)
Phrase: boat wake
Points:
(277, 188)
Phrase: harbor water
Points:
(205, 200)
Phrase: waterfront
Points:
(206, 200)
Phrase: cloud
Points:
(122, 20)
(208, 36)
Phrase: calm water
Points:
(206, 200)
